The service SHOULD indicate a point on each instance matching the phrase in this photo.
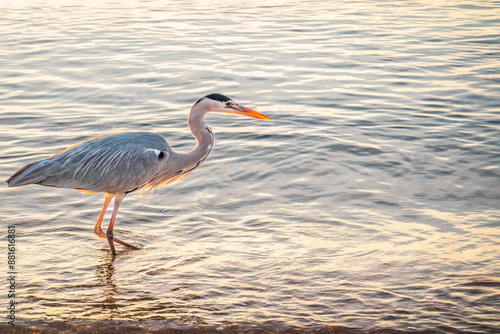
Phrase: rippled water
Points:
(371, 203)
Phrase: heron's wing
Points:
(114, 163)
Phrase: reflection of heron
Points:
(104, 275)
(122, 163)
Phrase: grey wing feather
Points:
(113, 163)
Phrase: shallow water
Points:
(371, 202)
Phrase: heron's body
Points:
(118, 164)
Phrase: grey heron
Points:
(118, 164)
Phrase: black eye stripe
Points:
(216, 97)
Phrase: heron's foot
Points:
(101, 234)
(126, 244)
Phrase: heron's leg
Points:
(97, 227)
(109, 233)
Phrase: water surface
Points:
(371, 202)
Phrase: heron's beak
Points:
(252, 113)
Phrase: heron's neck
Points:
(202, 133)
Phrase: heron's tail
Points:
(29, 174)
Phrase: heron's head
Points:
(220, 103)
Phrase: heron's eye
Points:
(229, 104)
